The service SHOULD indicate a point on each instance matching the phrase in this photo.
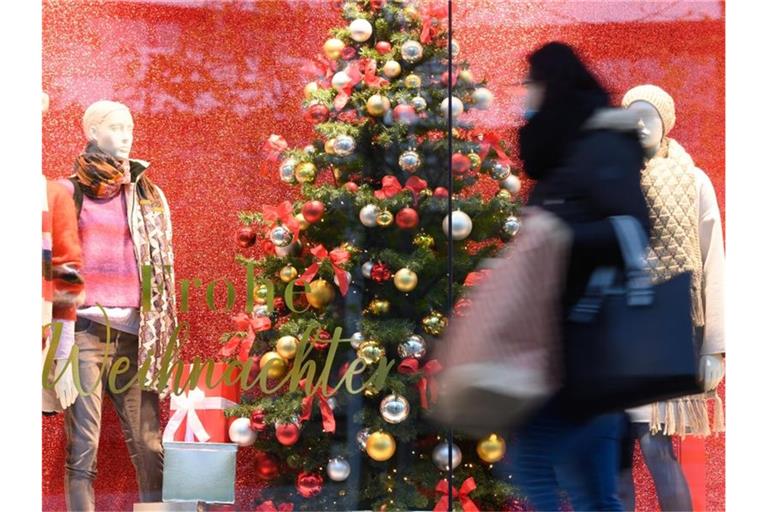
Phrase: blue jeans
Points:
(553, 452)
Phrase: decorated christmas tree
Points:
(365, 270)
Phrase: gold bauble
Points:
(380, 446)
(276, 369)
(475, 160)
(371, 391)
(424, 241)
(287, 346)
(412, 13)
(384, 218)
(466, 76)
(434, 323)
(306, 172)
(288, 273)
(504, 194)
(351, 249)
(491, 448)
(406, 280)
(413, 81)
(377, 105)
(337, 173)
(321, 293)
(332, 48)
(379, 307)
(310, 89)
(303, 223)
(328, 146)
(370, 351)
(261, 294)
(391, 69)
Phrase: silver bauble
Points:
(340, 80)
(368, 215)
(410, 161)
(511, 225)
(240, 432)
(457, 107)
(482, 98)
(500, 171)
(455, 48)
(362, 438)
(292, 249)
(414, 346)
(411, 51)
(309, 149)
(440, 456)
(286, 171)
(261, 310)
(419, 103)
(358, 338)
(366, 269)
(281, 236)
(338, 469)
(512, 184)
(394, 408)
(461, 224)
(344, 145)
(332, 402)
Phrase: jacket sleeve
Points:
(68, 285)
(713, 261)
(614, 189)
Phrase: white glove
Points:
(711, 371)
(65, 387)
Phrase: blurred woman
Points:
(586, 159)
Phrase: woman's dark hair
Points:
(571, 95)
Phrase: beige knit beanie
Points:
(657, 97)
(97, 112)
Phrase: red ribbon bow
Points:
(427, 381)
(329, 421)
(269, 506)
(429, 15)
(467, 505)
(283, 213)
(491, 140)
(321, 69)
(337, 257)
(241, 345)
(369, 73)
(390, 187)
(273, 146)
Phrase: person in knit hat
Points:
(686, 236)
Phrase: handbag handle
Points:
(638, 285)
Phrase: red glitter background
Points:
(208, 81)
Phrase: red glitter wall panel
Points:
(208, 81)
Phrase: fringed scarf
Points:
(669, 184)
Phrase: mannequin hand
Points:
(65, 387)
(711, 370)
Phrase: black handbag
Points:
(629, 342)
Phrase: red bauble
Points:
(257, 421)
(377, 5)
(440, 192)
(351, 186)
(383, 47)
(407, 218)
(287, 434)
(405, 114)
(309, 485)
(267, 466)
(246, 237)
(313, 211)
(380, 273)
(349, 53)
(317, 113)
(460, 164)
(279, 307)
(320, 342)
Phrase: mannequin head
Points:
(657, 111)
(651, 126)
(109, 125)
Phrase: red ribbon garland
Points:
(428, 14)
(273, 146)
(242, 345)
(329, 421)
(283, 213)
(269, 506)
(337, 257)
(427, 384)
(467, 487)
(491, 140)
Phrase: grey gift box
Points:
(199, 472)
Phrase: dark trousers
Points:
(581, 458)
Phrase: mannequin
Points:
(125, 225)
(690, 241)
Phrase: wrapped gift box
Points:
(199, 472)
(197, 414)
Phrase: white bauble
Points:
(240, 432)
(461, 223)
(456, 104)
(482, 98)
(368, 215)
(338, 469)
(440, 456)
(340, 80)
(512, 184)
(360, 30)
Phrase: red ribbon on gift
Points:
(432, 12)
(337, 257)
(241, 345)
(283, 213)
(329, 421)
(269, 506)
(491, 140)
(467, 505)
(390, 187)
(273, 146)
(427, 384)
